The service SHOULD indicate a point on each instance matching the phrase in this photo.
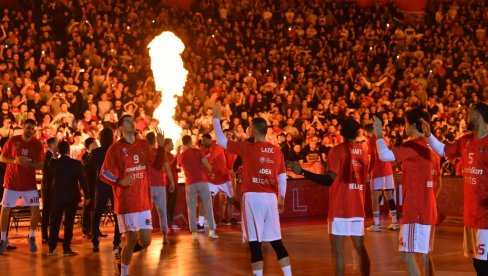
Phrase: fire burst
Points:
(170, 78)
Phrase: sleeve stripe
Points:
(109, 175)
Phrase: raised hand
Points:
(378, 127)
(425, 127)
(216, 111)
(160, 137)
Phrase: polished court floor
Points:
(306, 240)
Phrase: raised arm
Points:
(384, 153)
(221, 139)
(436, 145)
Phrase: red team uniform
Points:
(349, 162)
(124, 159)
(381, 172)
(473, 152)
(20, 181)
(194, 170)
(222, 182)
(419, 203)
(262, 162)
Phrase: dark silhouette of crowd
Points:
(77, 66)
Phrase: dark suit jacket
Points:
(94, 165)
(46, 175)
(67, 178)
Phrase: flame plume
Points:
(170, 78)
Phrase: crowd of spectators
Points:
(77, 66)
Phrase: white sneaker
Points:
(374, 228)
(212, 234)
(175, 227)
(393, 226)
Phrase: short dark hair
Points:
(207, 136)
(413, 117)
(151, 138)
(121, 120)
(167, 141)
(482, 109)
(30, 122)
(106, 137)
(260, 125)
(350, 129)
(368, 128)
(51, 141)
(89, 141)
(63, 147)
(186, 140)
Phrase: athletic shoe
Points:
(374, 228)
(117, 265)
(44, 241)
(102, 235)
(3, 246)
(51, 253)
(10, 247)
(175, 227)
(195, 236)
(96, 249)
(70, 253)
(393, 226)
(32, 244)
(212, 234)
(200, 228)
(235, 221)
(226, 222)
(165, 239)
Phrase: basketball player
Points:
(471, 149)
(23, 154)
(194, 165)
(158, 189)
(382, 184)
(346, 176)
(419, 204)
(264, 176)
(222, 182)
(126, 168)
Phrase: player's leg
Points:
(428, 264)
(408, 259)
(34, 221)
(337, 246)
(158, 196)
(145, 237)
(376, 209)
(131, 238)
(407, 247)
(364, 262)
(117, 234)
(282, 256)
(171, 203)
(9, 200)
(390, 197)
(206, 198)
(191, 202)
(257, 263)
(480, 266)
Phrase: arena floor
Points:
(306, 241)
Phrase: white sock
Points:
(286, 270)
(32, 233)
(257, 272)
(393, 217)
(201, 220)
(376, 218)
(4, 235)
(124, 270)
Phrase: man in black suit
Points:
(90, 176)
(65, 195)
(104, 191)
(52, 152)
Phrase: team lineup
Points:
(134, 173)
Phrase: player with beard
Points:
(471, 149)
